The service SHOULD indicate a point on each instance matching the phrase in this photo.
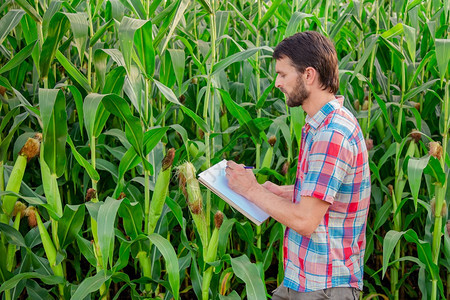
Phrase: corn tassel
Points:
(50, 251)
(160, 192)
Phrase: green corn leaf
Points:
(178, 64)
(54, 118)
(4, 145)
(93, 174)
(152, 137)
(178, 16)
(70, 224)
(249, 273)
(415, 91)
(168, 93)
(240, 113)
(104, 165)
(206, 4)
(382, 215)
(410, 38)
(425, 255)
(35, 291)
(394, 48)
(390, 241)
(144, 47)
(51, 191)
(415, 170)
(5, 83)
(78, 22)
(130, 160)
(12, 235)
(114, 81)
(100, 32)
(434, 169)
(87, 250)
(105, 220)
(116, 55)
(29, 10)
(90, 285)
(231, 296)
(247, 24)
(133, 130)
(294, 22)
(224, 232)
(269, 13)
(442, 56)
(343, 19)
(394, 31)
(47, 279)
(369, 49)
(100, 61)
(240, 56)
(153, 7)
(198, 120)
(127, 30)
(421, 66)
(5, 120)
(78, 99)
(95, 115)
(53, 8)
(59, 25)
(166, 16)
(221, 22)
(132, 215)
(17, 59)
(73, 71)
(171, 260)
(264, 95)
(9, 21)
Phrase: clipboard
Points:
(214, 179)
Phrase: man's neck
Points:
(316, 100)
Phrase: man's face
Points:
(290, 82)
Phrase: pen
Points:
(249, 167)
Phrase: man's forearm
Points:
(288, 191)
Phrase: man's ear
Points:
(310, 75)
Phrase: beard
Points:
(299, 94)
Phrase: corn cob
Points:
(160, 192)
(28, 151)
(191, 190)
(211, 254)
(50, 251)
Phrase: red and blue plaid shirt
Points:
(332, 166)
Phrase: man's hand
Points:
(240, 180)
(285, 191)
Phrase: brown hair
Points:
(312, 49)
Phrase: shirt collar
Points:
(315, 121)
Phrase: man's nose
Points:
(277, 82)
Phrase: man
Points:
(326, 210)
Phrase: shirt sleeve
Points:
(330, 161)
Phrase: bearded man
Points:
(325, 211)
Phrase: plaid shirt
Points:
(332, 166)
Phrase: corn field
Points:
(110, 109)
